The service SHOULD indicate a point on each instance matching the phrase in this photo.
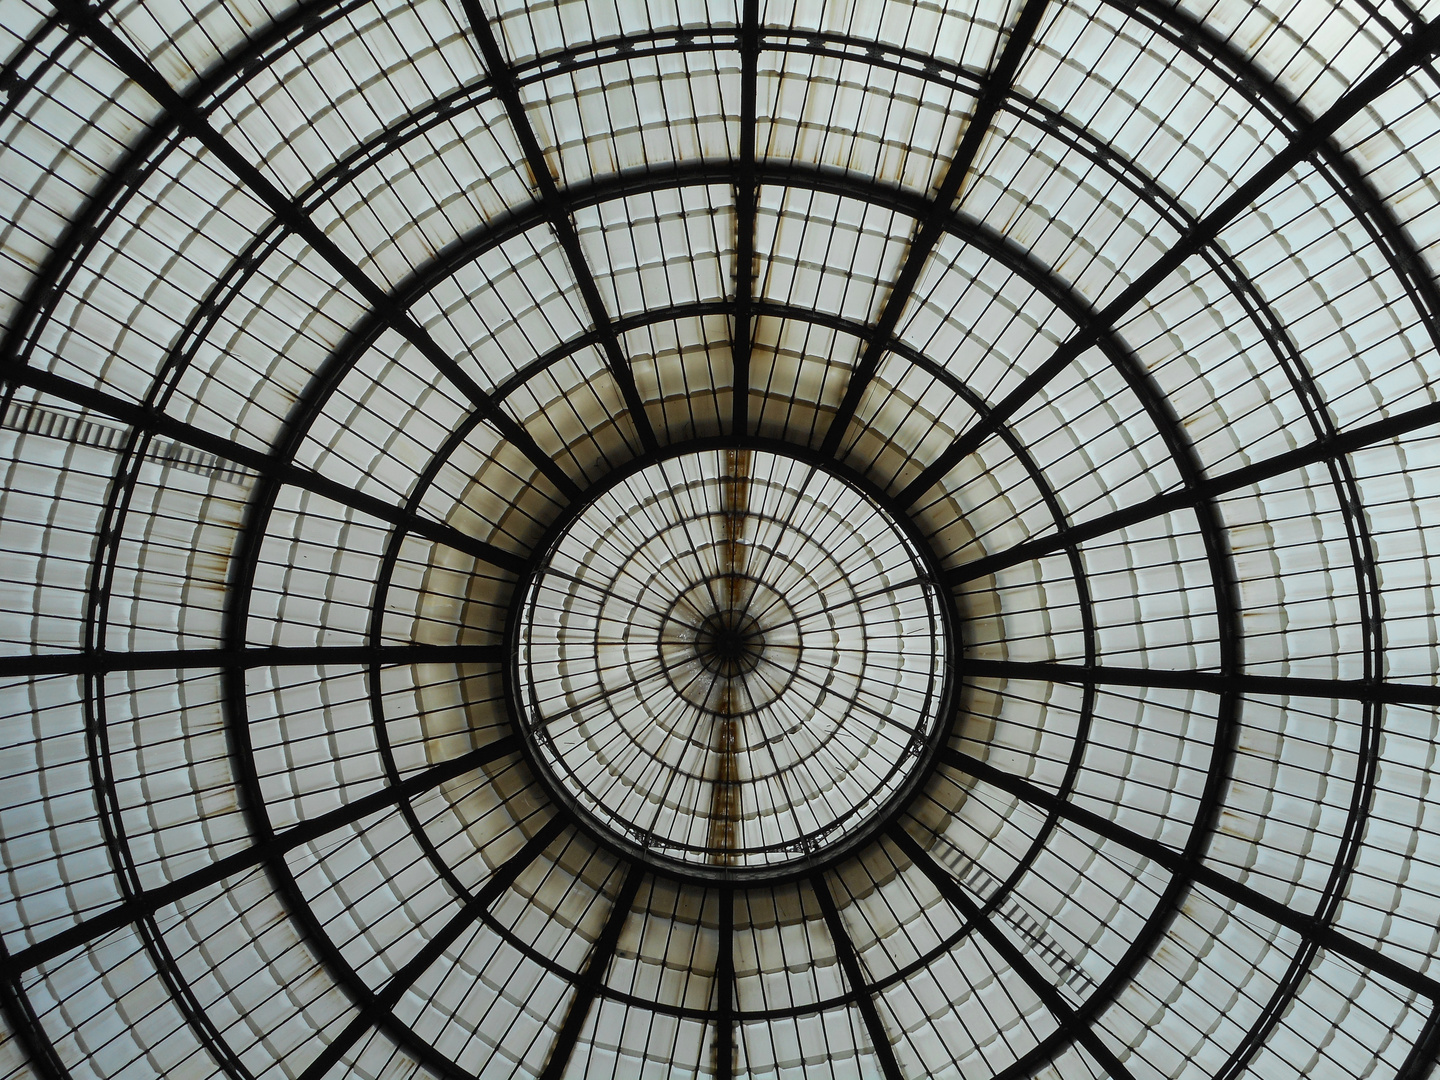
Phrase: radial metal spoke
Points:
(1419, 47)
(1420, 1062)
(747, 195)
(850, 965)
(1210, 682)
(1065, 1015)
(1345, 442)
(25, 1026)
(285, 471)
(191, 119)
(725, 987)
(1194, 870)
(502, 76)
(730, 756)
(152, 900)
(383, 1002)
(102, 661)
(932, 226)
(588, 986)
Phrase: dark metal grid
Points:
(1042, 987)
(1420, 46)
(103, 207)
(263, 852)
(399, 652)
(1402, 264)
(1322, 683)
(268, 466)
(587, 986)
(747, 196)
(502, 77)
(850, 964)
(1208, 490)
(946, 627)
(194, 124)
(1189, 867)
(308, 19)
(242, 758)
(585, 198)
(463, 654)
(1368, 585)
(378, 1007)
(996, 88)
(485, 654)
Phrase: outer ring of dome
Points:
(800, 867)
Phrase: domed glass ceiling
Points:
(735, 661)
(643, 539)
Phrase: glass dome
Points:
(734, 662)
(651, 538)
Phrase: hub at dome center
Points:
(731, 663)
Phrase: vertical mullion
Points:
(747, 196)
(725, 988)
(927, 235)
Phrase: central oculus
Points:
(731, 663)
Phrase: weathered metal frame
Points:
(1328, 448)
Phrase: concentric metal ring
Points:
(732, 662)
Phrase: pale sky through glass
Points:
(644, 538)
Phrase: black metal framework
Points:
(1417, 47)
(850, 965)
(998, 86)
(503, 80)
(1040, 984)
(747, 195)
(409, 520)
(592, 978)
(720, 628)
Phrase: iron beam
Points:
(102, 661)
(258, 854)
(383, 1003)
(932, 226)
(1210, 682)
(850, 965)
(260, 462)
(587, 987)
(502, 77)
(1417, 48)
(1065, 1015)
(1191, 868)
(191, 119)
(725, 987)
(747, 195)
